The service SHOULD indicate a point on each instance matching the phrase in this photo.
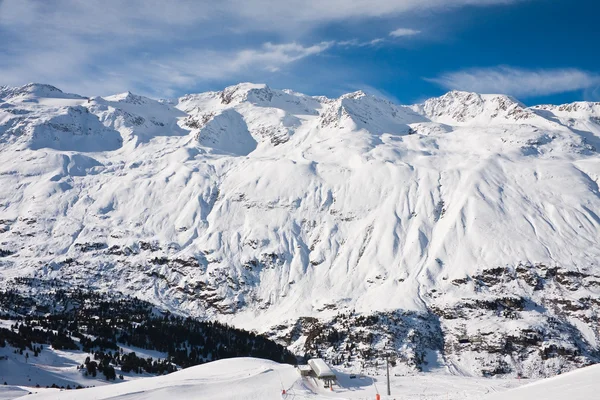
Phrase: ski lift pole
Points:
(387, 365)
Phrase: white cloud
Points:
(191, 65)
(592, 93)
(376, 41)
(404, 32)
(141, 18)
(293, 12)
(518, 82)
(102, 45)
(358, 43)
(273, 56)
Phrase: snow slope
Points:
(58, 367)
(239, 378)
(248, 378)
(577, 385)
(259, 206)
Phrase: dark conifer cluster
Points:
(105, 326)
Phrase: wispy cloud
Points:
(517, 81)
(113, 45)
(186, 67)
(360, 43)
(273, 56)
(319, 11)
(592, 93)
(404, 32)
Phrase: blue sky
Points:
(540, 51)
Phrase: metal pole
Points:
(387, 364)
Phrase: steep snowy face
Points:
(71, 128)
(581, 109)
(137, 118)
(41, 116)
(470, 220)
(253, 93)
(271, 116)
(359, 111)
(581, 117)
(33, 92)
(464, 108)
(226, 131)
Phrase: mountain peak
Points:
(40, 87)
(464, 107)
(354, 95)
(127, 97)
(578, 106)
(246, 91)
(246, 86)
(36, 90)
(358, 110)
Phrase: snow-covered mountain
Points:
(462, 232)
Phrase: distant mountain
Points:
(461, 233)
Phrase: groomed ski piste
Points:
(251, 378)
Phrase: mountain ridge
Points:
(470, 215)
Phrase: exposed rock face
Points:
(537, 317)
(464, 107)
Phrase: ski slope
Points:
(255, 379)
(582, 384)
(247, 378)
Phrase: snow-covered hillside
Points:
(461, 233)
(248, 378)
(251, 378)
(60, 368)
(577, 385)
